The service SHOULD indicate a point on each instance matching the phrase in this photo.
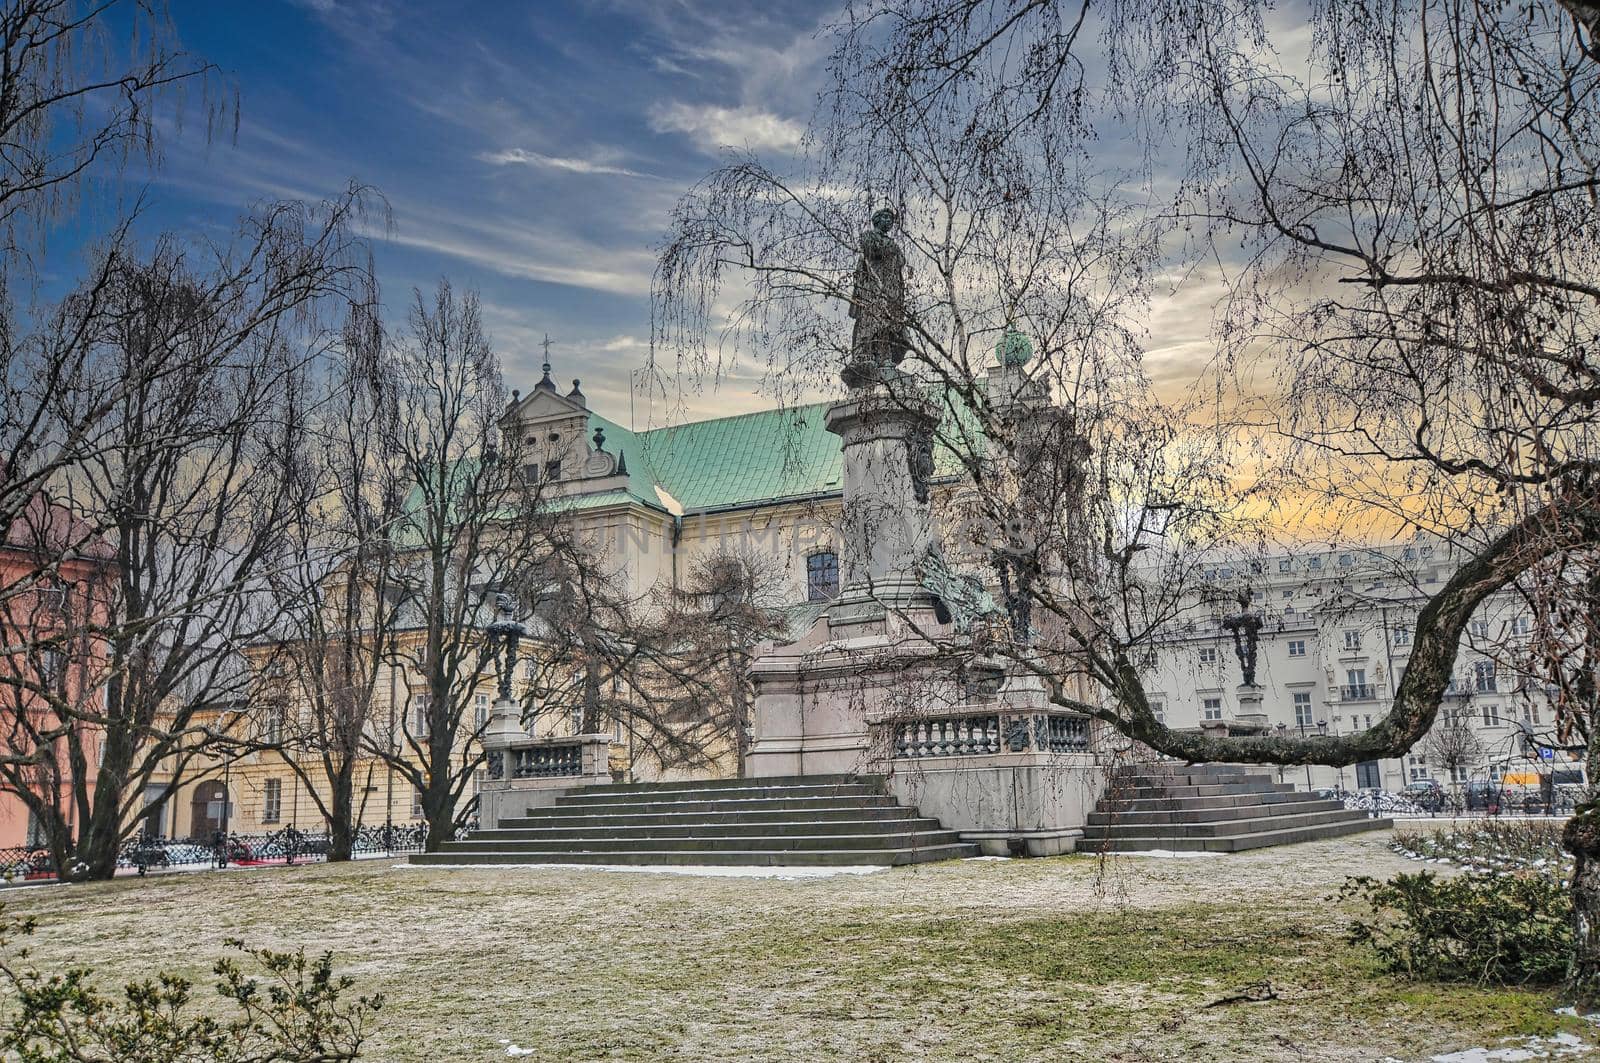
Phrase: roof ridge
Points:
(733, 417)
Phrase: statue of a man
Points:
(878, 304)
(1246, 631)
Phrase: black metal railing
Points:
(287, 846)
(1358, 692)
(547, 761)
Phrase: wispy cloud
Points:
(713, 127)
(523, 157)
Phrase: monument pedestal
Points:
(524, 772)
(868, 651)
(973, 742)
(1252, 716)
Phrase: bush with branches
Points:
(1485, 928)
(292, 1010)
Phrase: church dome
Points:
(1014, 349)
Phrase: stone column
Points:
(504, 728)
(1251, 711)
(884, 429)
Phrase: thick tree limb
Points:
(1566, 524)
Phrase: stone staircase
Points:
(820, 820)
(1212, 808)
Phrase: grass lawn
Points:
(1060, 959)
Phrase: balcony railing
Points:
(1358, 692)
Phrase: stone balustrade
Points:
(983, 733)
(1013, 779)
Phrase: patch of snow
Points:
(1560, 1046)
(698, 870)
(1571, 1012)
(1169, 854)
(516, 1050)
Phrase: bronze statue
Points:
(878, 304)
(1245, 627)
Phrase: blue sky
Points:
(529, 150)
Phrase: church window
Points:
(822, 576)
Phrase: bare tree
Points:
(332, 580)
(702, 643)
(82, 86)
(1453, 745)
(474, 525)
(181, 506)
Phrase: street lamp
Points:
(1283, 731)
(507, 629)
(506, 725)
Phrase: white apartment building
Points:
(1336, 635)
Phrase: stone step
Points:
(874, 781)
(698, 828)
(762, 804)
(844, 812)
(1145, 781)
(1234, 843)
(607, 795)
(1219, 828)
(737, 843)
(713, 857)
(1186, 769)
(1206, 815)
(1159, 804)
(813, 820)
(1206, 790)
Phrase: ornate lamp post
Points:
(505, 722)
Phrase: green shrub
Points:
(291, 1015)
(1491, 929)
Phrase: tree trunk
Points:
(1582, 839)
(94, 856)
(440, 812)
(590, 718)
(341, 821)
(741, 710)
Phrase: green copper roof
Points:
(735, 461)
(745, 460)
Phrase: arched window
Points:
(822, 576)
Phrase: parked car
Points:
(1426, 793)
(1483, 796)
